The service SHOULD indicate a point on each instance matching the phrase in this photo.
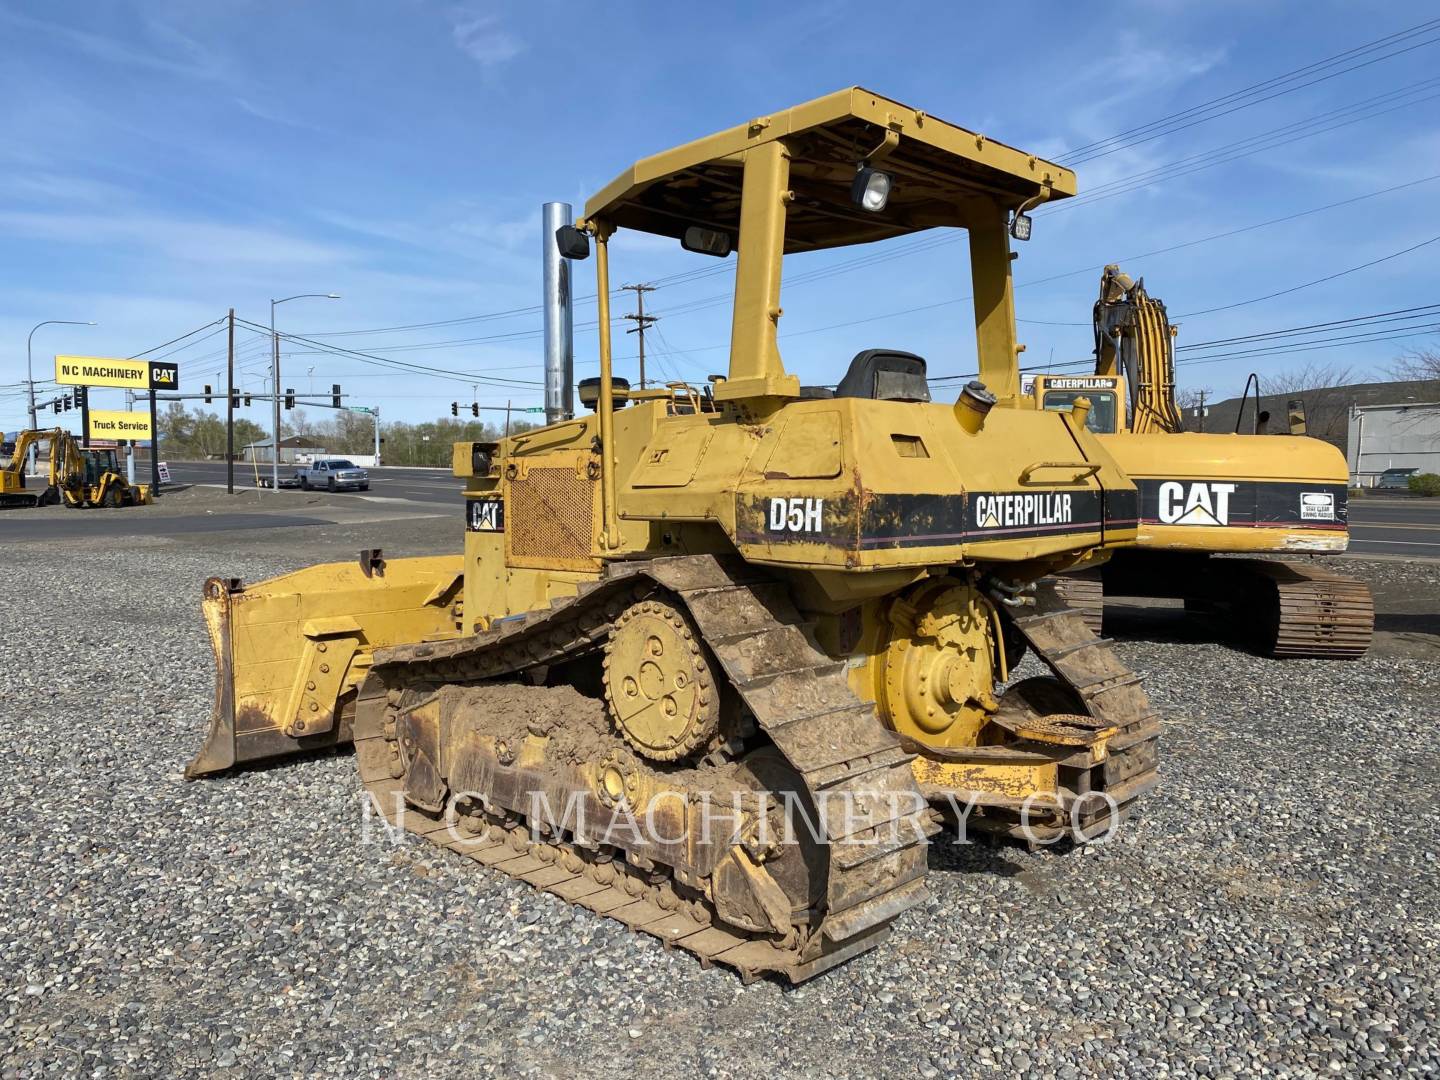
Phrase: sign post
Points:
(127, 374)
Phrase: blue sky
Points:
(163, 161)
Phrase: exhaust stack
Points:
(559, 318)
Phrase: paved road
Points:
(419, 485)
(1384, 526)
(89, 523)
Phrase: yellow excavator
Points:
(79, 476)
(1204, 495)
(716, 660)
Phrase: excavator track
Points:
(848, 766)
(1107, 690)
(1279, 608)
(1302, 611)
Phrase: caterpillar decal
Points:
(940, 520)
(1242, 504)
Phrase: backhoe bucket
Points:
(291, 652)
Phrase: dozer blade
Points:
(291, 651)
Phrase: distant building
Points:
(1393, 437)
(295, 448)
(1327, 410)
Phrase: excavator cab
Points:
(1105, 393)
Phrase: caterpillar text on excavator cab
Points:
(769, 621)
(1205, 494)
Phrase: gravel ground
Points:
(1273, 911)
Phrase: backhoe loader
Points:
(79, 476)
(716, 660)
(1204, 495)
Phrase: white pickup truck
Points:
(334, 474)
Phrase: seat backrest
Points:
(885, 375)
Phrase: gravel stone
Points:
(1271, 910)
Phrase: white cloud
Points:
(176, 239)
(175, 54)
(480, 35)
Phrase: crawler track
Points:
(875, 859)
(1279, 608)
(1108, 691)
(1303, 611)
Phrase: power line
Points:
(1270, 140)
(1273, 342)
(1142, 132)
(1308, 284)
(399, 364)
(1398, 315)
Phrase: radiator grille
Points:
(551, 515)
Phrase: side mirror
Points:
(707, 241)
(573, 243)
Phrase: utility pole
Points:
(154, 447)
(230, 412)
(275, 376)
(1200, 412)
(130, 444)
(641, 321)
(376, 412)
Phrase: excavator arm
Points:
(1134, 338)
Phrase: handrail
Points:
(524, 437)
(1084, 470)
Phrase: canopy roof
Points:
(938, 169)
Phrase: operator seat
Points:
(885, 375)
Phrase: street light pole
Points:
(275, 379)
(30, 373)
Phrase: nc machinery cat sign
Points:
(129, 374)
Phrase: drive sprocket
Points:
(659, 684)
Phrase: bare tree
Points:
(1192, 397)
(1416, 364)
(1190, 401)
(1314, 375)
(1327, 414)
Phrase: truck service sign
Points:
(108, 424)
(127, 374)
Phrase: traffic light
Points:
(335, 395)
(55, 405)
(247, 401)
(234, 398)
(289, 398)
(82, 394)
(207, 393)
(475, 408)
(67, 400)
(454, 408)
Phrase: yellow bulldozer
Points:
(1204, 495)
(716, 660)
(79, 476)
